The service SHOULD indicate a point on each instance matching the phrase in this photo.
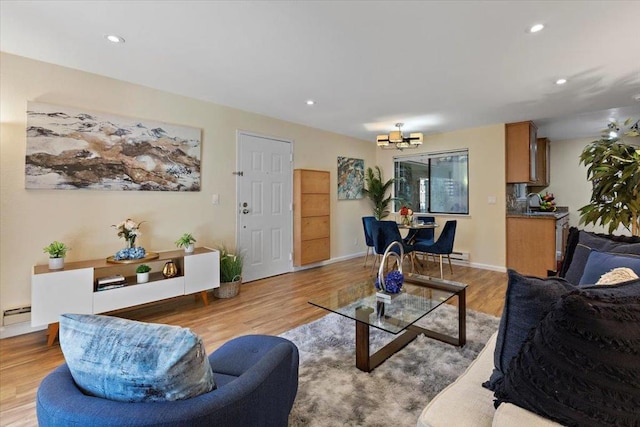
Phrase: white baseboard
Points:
(361, 254)
(329, 261)
(25, 327)
(19, 329)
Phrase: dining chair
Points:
(386, 232)
(442, 246)
(368, 239)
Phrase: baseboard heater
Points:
(460, 256)
(16, 315)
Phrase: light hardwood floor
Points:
(268, 306)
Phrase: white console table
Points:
(73, 288)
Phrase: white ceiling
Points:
(434, 65)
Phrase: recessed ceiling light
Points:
(311, 102)
(114, 39)
(561, 81)
(536, 28)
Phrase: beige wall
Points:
(31, 219)
(482, 232)
(569, 180)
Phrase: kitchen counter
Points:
(554, 215)
(561, 212)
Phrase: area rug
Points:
(333, 392)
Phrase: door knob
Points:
(245, 211)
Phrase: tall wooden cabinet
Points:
(311, 220)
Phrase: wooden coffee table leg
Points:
(362, 347)
(462, 317)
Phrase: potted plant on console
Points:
(142, 273)
(186, 242)
(230, 274)
(57, 251)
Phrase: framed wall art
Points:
(70, 148)
(350, 178)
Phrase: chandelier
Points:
(414, 140)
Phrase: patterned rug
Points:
(333, 392)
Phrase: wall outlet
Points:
(355, 241)
(491, 200)
(215, 199)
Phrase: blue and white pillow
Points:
(131, 361)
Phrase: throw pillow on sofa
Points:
(131, 361)
(527, 301)
(581, 365)
(599, 263)
(620, 245)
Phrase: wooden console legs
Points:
(52, 333)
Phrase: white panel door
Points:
(264, 206)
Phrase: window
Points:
(433, 182)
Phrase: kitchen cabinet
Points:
(543, 178)
(311, 220)
(521, 148)
(531, 244)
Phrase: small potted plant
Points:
(142, 273)
(57, 251)
(230, 274)
(186, 242)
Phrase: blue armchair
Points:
(256, 378)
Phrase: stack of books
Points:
(110, 282)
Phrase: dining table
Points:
(412, 228)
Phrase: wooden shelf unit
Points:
(311, 216)
(73, 288)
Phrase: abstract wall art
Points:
(70, 148)
(350, 178)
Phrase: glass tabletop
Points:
(420, 295)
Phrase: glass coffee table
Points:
(420, 296)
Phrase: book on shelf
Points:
(113, 285)
(110, 279)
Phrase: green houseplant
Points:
(613, 167)
(186, 241)
(376, 191)
(142, 273)
(230, 273)
(57, 251)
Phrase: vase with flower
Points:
(129, 230)
(406, 215)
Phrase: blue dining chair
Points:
(386, 232)
(442, 246)
(422, 235)
(368, 239)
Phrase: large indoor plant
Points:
(376, 191)
(230, 273)
(613, 167)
